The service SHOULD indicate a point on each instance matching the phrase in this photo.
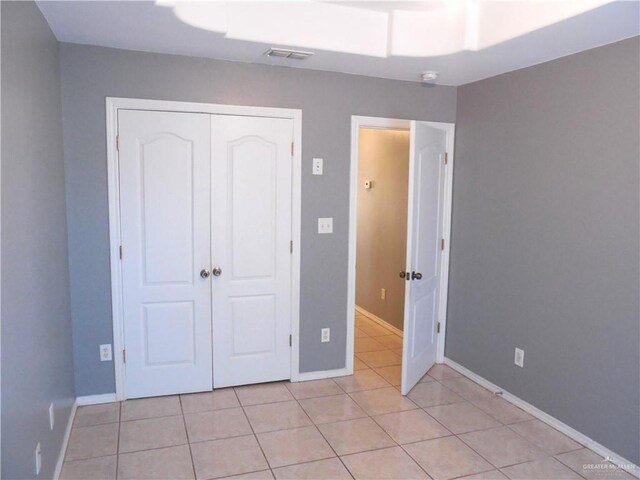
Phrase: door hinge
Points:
(292, 149)
(117, 143)
(442, 244)
(124, 356)
(291, 246)
(290, 340)
(438, 328)
(445, 156)
(120, 251)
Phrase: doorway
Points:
(424, 271)
(383, 181)
(206, 219)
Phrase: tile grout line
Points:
(453, 434)
(367, 416)
(457, 435)
(255, 436)
(322, 435)
(284, 429)
(186, 431)
(136, 451)
(508, 425)
(372, 418)
(415, 461)
(155, 416)
(546, 455)
(581, 474)
(119, 422)
(494, 467)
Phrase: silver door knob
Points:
(217, 271)
(204, 273)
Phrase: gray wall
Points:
(327, 100)
(37, 364)
(381, 247)
(545, 248)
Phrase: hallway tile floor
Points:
(350, 427)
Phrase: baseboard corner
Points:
(379, 320)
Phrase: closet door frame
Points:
(113, 104)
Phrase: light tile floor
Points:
(350, 427)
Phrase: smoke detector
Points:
(286, 53)
(429, 76)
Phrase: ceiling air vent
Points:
(285, 53)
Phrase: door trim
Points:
(358, 122)
(113, 104)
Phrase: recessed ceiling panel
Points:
(463, 40)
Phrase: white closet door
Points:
(251, 234)
(424, 233)
(164, 162)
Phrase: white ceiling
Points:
(464, 41)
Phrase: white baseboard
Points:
(96, 399)
(548, 419)
(305, 377)
(65, 442)
(379, 320)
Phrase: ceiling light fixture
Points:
(286, 53)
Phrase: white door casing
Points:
(251, 235)
(164, 166)
(424, 236)
(115, 105)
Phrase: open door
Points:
(424, 234)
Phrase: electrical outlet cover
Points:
(106, 353)
(317, 166)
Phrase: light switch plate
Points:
(519, 357)
(317, 166)
(325, 335)
(325, 225)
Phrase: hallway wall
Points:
(381, 247)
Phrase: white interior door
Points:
(424, 233)
(164, 166)
(251, 235)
